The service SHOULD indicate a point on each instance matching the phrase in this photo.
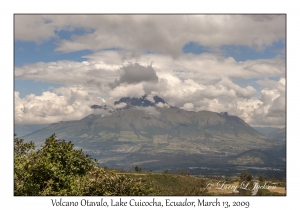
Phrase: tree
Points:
(246, 185)
(246, 176)
(137, 168)
(58, 169)
(261, 178)
(51, 169)
(22, 165)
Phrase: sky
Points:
(64, 64)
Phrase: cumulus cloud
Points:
(268, 109)
(207, 87)
(103, 74)
(120, 105)
(131, 90)
(247, 92)
(51, 107)
(74, 104)
(161, 105)
(188, 107)
(150, 98)
(272, 106)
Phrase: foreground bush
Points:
(58, 169)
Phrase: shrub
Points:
(58, 169)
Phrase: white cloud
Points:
(188, 107)
(51, 107)
(120, 105)
(161, 105)
(131, 90)
(99, 73)
(74, 104)
(247, 92)
(205, 81)
(150, 98)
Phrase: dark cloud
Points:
(137, 73)
(134, 74)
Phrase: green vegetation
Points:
(261, 178)
(58, 169)
(246, 184)
(245, 176)
(137, 168)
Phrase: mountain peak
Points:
(144, 101)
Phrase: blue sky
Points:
(31, 52)
(240, 53)
(67, 61)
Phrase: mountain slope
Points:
(266, 130)
(22, 130)
(254, 157)
(156, 128)
(278, 135)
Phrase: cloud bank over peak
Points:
(179, 58)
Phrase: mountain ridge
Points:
(278, 135)
(151, 130)
(144, 101)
